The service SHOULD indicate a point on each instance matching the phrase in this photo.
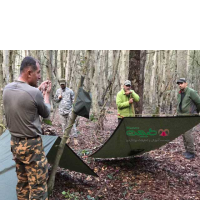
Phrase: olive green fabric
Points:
(135, 136)
(8, 177)
(190, 103)
(83, 103)
(69, 160)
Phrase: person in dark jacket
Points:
(188, 104)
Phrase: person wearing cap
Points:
(188, 104)
(65, 97)
(124, 101)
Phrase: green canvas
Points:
(8, 177)
(83, 103)
(138, 135)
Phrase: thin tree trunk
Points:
(1, 92)
(109, 90)
(6, 67)
(95, 94)
(38, 57)
(55, 79)
(49, 67)
(62, 64)
(141, 80)
(67, 131)
(12, 54)
(136, 74)
(49, 64)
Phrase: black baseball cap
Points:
(181, 80)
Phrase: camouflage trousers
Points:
(189, 141)
(64, 119)
(31, 168)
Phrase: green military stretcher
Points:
(135, 136)
(8, 177)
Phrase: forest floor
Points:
(157, 175)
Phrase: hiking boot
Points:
(189, 155)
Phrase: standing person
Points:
(65, 97)
(23, 103)
(124, 101)
(188, 104)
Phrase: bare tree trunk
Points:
(12, 55)
(1, 92)
(38, 57)
(67, 131)
(14, 63)
(49, 67)
(95, 94)
(65, 62)
(28, 53)
(62, 64)
(100, 125)
(136, 76)
(141, 80)
(6, 67)
(55, 79)
(69, 67)
(48, 56)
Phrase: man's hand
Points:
(60, 96)
(46, 92)
(128, 92)
(43, 85)
(48, 87)
(130, 100)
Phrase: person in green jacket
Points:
(124, 101)
(188, 104)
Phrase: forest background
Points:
(153, 74)
(159, 174)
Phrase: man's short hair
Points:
(181, 80)
(28, 62)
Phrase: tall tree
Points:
(49, 64)
(12, 55)
(1, 92)
(6, 73)
(49, 69)
(136, 75)
(62, 66)
(109, 90)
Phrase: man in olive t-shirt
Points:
(23, 103)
